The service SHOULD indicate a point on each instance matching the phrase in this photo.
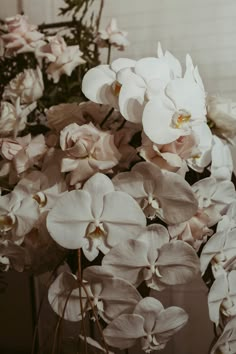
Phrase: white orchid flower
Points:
(149, 324)
(18, 216)
(222, 162)
(222, 113)
(151, 257)
(110, 296)
(149, 78)
(226, 344)
(44, 187)
(95, 218)
(220, 252)
(175, 113)
(202, 157)
(172, 62)
(222, 297)
(160, 193)
(102, 84)
(214, 196)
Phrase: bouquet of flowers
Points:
(131, 178)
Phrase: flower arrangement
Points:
(133, 182)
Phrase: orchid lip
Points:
(41, 199)
(180, 119)
(7, 222)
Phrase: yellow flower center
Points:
(6, 223)
(116, 88)
(180, 119)
(41, 199)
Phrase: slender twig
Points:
(107, 116)
(59, 324)
(109, 54)
(80, 280)
(99, 15)
(96, 318)
(35, 335)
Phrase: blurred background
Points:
(207, 31)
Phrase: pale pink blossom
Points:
(53, 49)
(222, 114)
(88, 150)
(23, 152)
(65, 63)
(21, 37)
(195, 231)
(9, 119)
(112, 35)
(28, 85)
(63, 114)
(172, 156)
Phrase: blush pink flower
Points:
(23, 152)
(112, 35)
(28, 85)
(65, 63)
(194, 231)
(88, 150)
(172, 156)
(21, 37)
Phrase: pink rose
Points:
(22, 36)
(27, 85)
(172, 156)
(65, 63)
(88, 150)
(24, 152)
(194, 231)
(61, 115)
(54, 48)
(113, 35)
(9, 148)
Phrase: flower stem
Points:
(109, 54)
(107, 116)
(96, 318)
(80, 280)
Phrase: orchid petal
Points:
(124, 330)
(68, 220)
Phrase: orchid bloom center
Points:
(96, 230)
(6, 223)
(153, 344)
(181, 119)
(228, 307)
(41, 199)
(116, 86)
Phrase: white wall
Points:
(205, 29)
